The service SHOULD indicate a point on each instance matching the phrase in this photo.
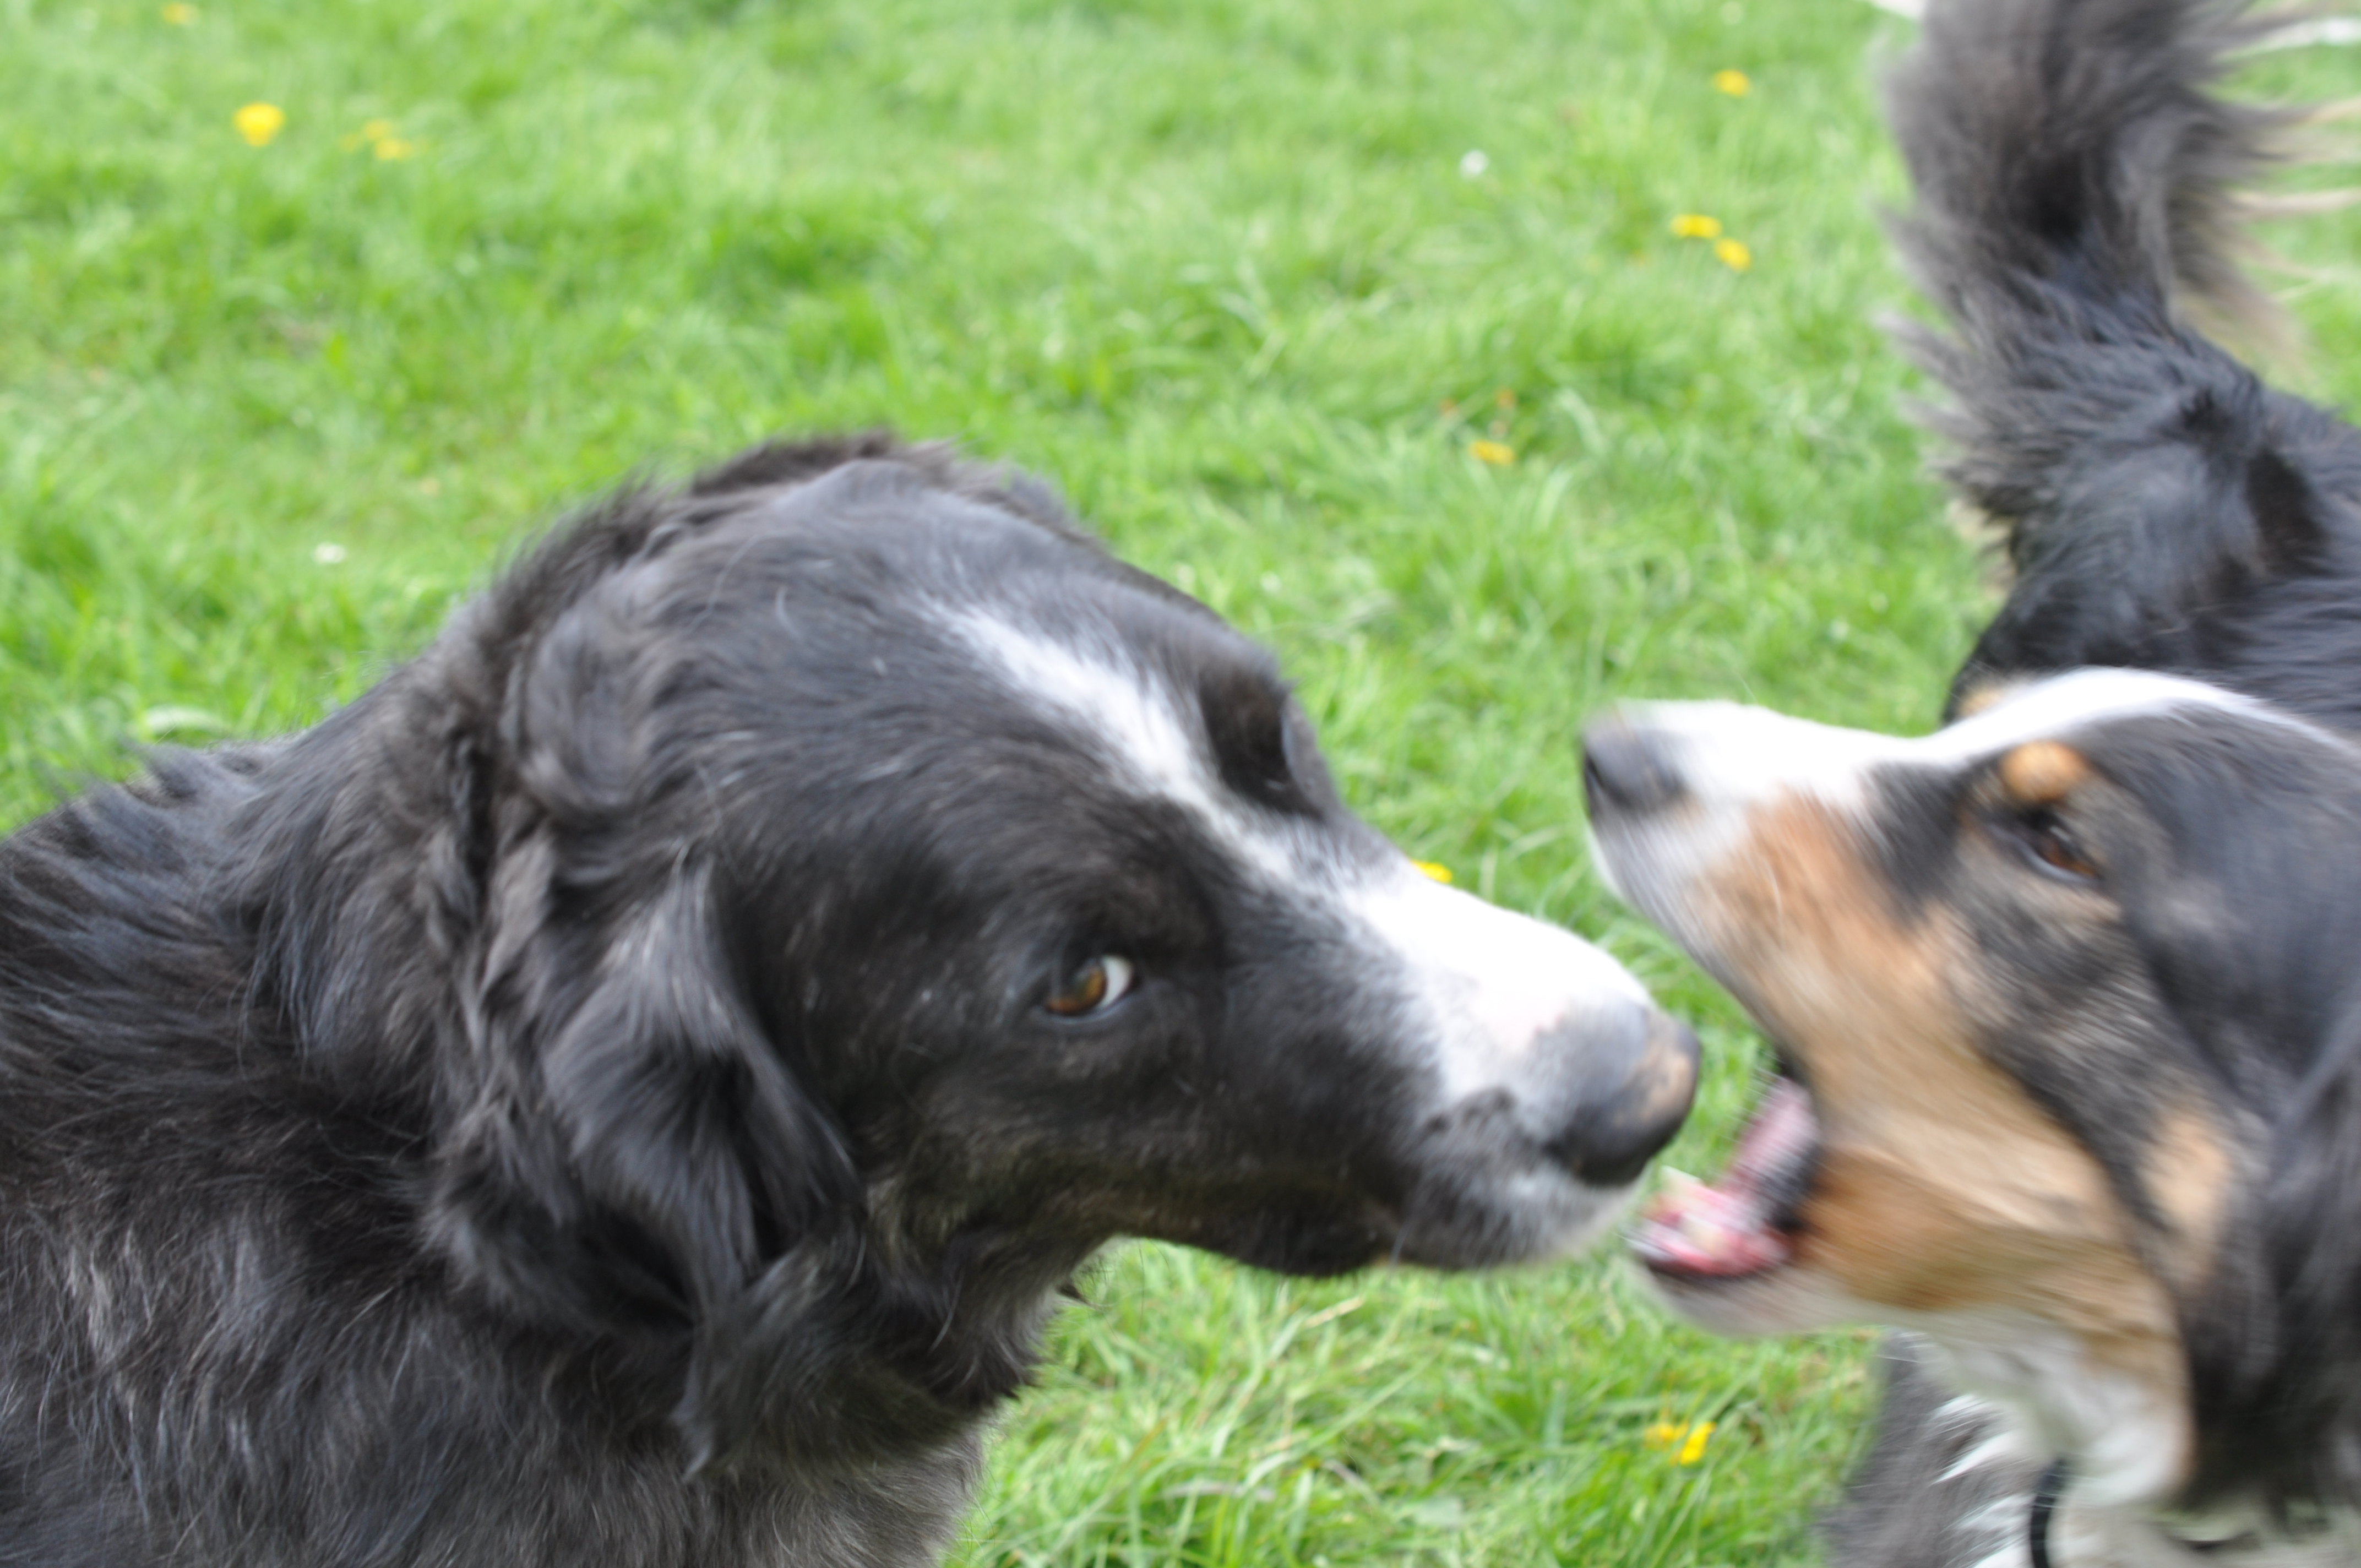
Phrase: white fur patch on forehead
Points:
(1733, 755)
(1130, 715)
(1123, 706)
(2056, 707)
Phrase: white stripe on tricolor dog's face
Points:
(1540, 1055)
(1732, 760)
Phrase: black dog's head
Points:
(868, 897)
(2069, 1025)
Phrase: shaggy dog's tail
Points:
(2076, 216)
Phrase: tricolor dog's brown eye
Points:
(2038, 777)
(1095, 986)
(2045, 836)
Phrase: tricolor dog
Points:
(2067, 995)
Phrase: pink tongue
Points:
(1725, 1230)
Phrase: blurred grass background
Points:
(1270, 289)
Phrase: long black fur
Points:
(587, 1101)
(386, 1153)
(2161, 507)
(2164, 509)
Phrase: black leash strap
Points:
(2044, 1506)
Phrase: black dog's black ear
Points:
(629, 1158)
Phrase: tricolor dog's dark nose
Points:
(1629, 769)
(1632, 1100)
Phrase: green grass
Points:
(1215, 268)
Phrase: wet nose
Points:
(1628, 769)
(1629, 1103)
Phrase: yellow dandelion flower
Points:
(1436, 870)
(1663, 1434)
(1733, 254)
(1498, 453)
(1733, 82)
(1692, 1448)
(258, 123)
(180, 15)
(375, 135)
(1696, 225)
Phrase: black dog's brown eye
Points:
(2052, 844)
(1094, 987)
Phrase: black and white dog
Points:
(2067, 995)
(630, 1088)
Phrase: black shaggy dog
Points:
(628, 1090)
(2067, 995)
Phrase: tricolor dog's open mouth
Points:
(1745, 1224)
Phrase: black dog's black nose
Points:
(1613, 1134)
(1628, 769)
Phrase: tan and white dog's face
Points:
(2041, 984)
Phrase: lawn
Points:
(1363, 320)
